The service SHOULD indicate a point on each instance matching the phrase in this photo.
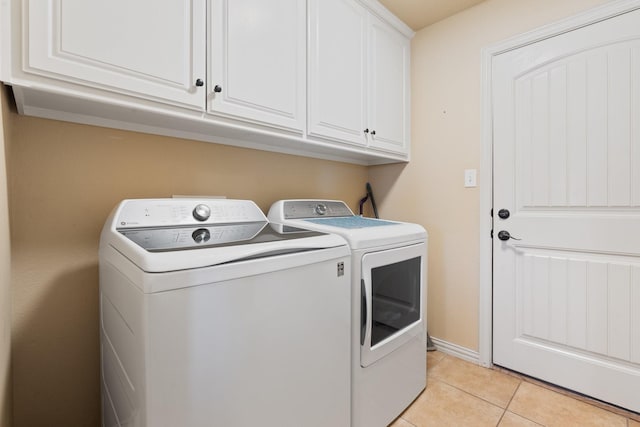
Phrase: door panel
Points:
(388, 82)
(578, 301)
(574, 131)
(566, 165)
(257, 59)
(337, 72)
(120, 45)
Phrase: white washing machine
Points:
(388, 297)
(211, 317)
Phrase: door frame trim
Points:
(588, 17)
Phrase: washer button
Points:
(321, 209)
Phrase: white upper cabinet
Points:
(317, 78)
(337, 70)
(142, 48)
(257, 61)
(358, 77)
(389, 88)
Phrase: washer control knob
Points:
(321, 209)
(201, 235)
(201, 212)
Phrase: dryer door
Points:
(392, 300)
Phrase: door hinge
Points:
(492, 233)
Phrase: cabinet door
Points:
(131, 47)
(337, 79)
(388, 88)
(257, 61)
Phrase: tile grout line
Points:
(625, 413)
(407, 421)
(504, 410)
(501, 417)
(473, 395)
(458, 388)
(470, 394)
(515, 413)
(511, 400)
(514, 395)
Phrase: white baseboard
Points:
(456, 350)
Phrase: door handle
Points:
(363, 311)
(504, 235)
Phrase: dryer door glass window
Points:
(395, 298)
(391, 306)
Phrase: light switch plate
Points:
(470, 176)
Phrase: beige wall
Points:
(5, 275)
(64, 180)
(446, 139)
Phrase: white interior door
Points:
(566, 304)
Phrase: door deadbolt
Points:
(504, 213)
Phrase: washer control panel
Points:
(143, 213)
(165, 239)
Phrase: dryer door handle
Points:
(363, 311)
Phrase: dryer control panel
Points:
(298, 209)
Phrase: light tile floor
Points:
(460, 393)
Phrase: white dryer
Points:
(212, 317)
(388, 297)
